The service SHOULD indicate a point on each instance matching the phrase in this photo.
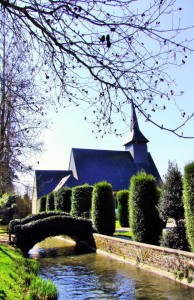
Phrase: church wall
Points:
(139, 152)
(72, 166)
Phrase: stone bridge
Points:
(29, 234)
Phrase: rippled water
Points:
(95, 276)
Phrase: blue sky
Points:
(70, 130)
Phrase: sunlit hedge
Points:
(35, 217)
(188, 197)
(145, 223)
(103, 211)
(50, 203)
(63, 199)
(81, 200)
(42, 204)
(123, 210)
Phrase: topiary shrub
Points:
(188, 198)
(145, 222)
(27, 235)
(63, 199)
(123, 211)
(175, 238)
(35, 217)
(103, 212)
(50, 202)
(42, 204)
(81, 200)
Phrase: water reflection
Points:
(94, 276)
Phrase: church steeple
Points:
(136, 142)
(135, 135)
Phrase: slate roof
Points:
(116, 167)
(47, 180)
(69, 181)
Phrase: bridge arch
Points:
(27, 235)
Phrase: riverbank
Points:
(19, 276)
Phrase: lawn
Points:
(122, 232)
(25, 282)
(3, 229)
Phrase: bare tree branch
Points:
(102, 55)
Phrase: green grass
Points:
(3, 229)
(121, 232)
(19, 277)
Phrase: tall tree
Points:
(21, 107)
(171, 202)
(105, 54)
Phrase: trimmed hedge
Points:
(81, 200)
(144, 218)
(35, 217)
(188, 198)
(103, 210)
(28, 235)
(42, 204)
(123, 211)
(50, 202)
(63, 199)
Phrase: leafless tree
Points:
(103, 55)
(21, 108)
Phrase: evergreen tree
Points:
(171, 203)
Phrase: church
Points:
(92, 165)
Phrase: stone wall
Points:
(174, 264)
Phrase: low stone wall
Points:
(174, 264)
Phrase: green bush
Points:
(63, 199)
(81, 200)
(50, 201)
(144, 218)
(188, 198)
(103, 211)
(42, 204)
(8, 207)
(7, 200)
(175, 238)
(123, 211)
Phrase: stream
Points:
(96, 276)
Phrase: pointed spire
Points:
(135, 135)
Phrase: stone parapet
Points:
(174, 264)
